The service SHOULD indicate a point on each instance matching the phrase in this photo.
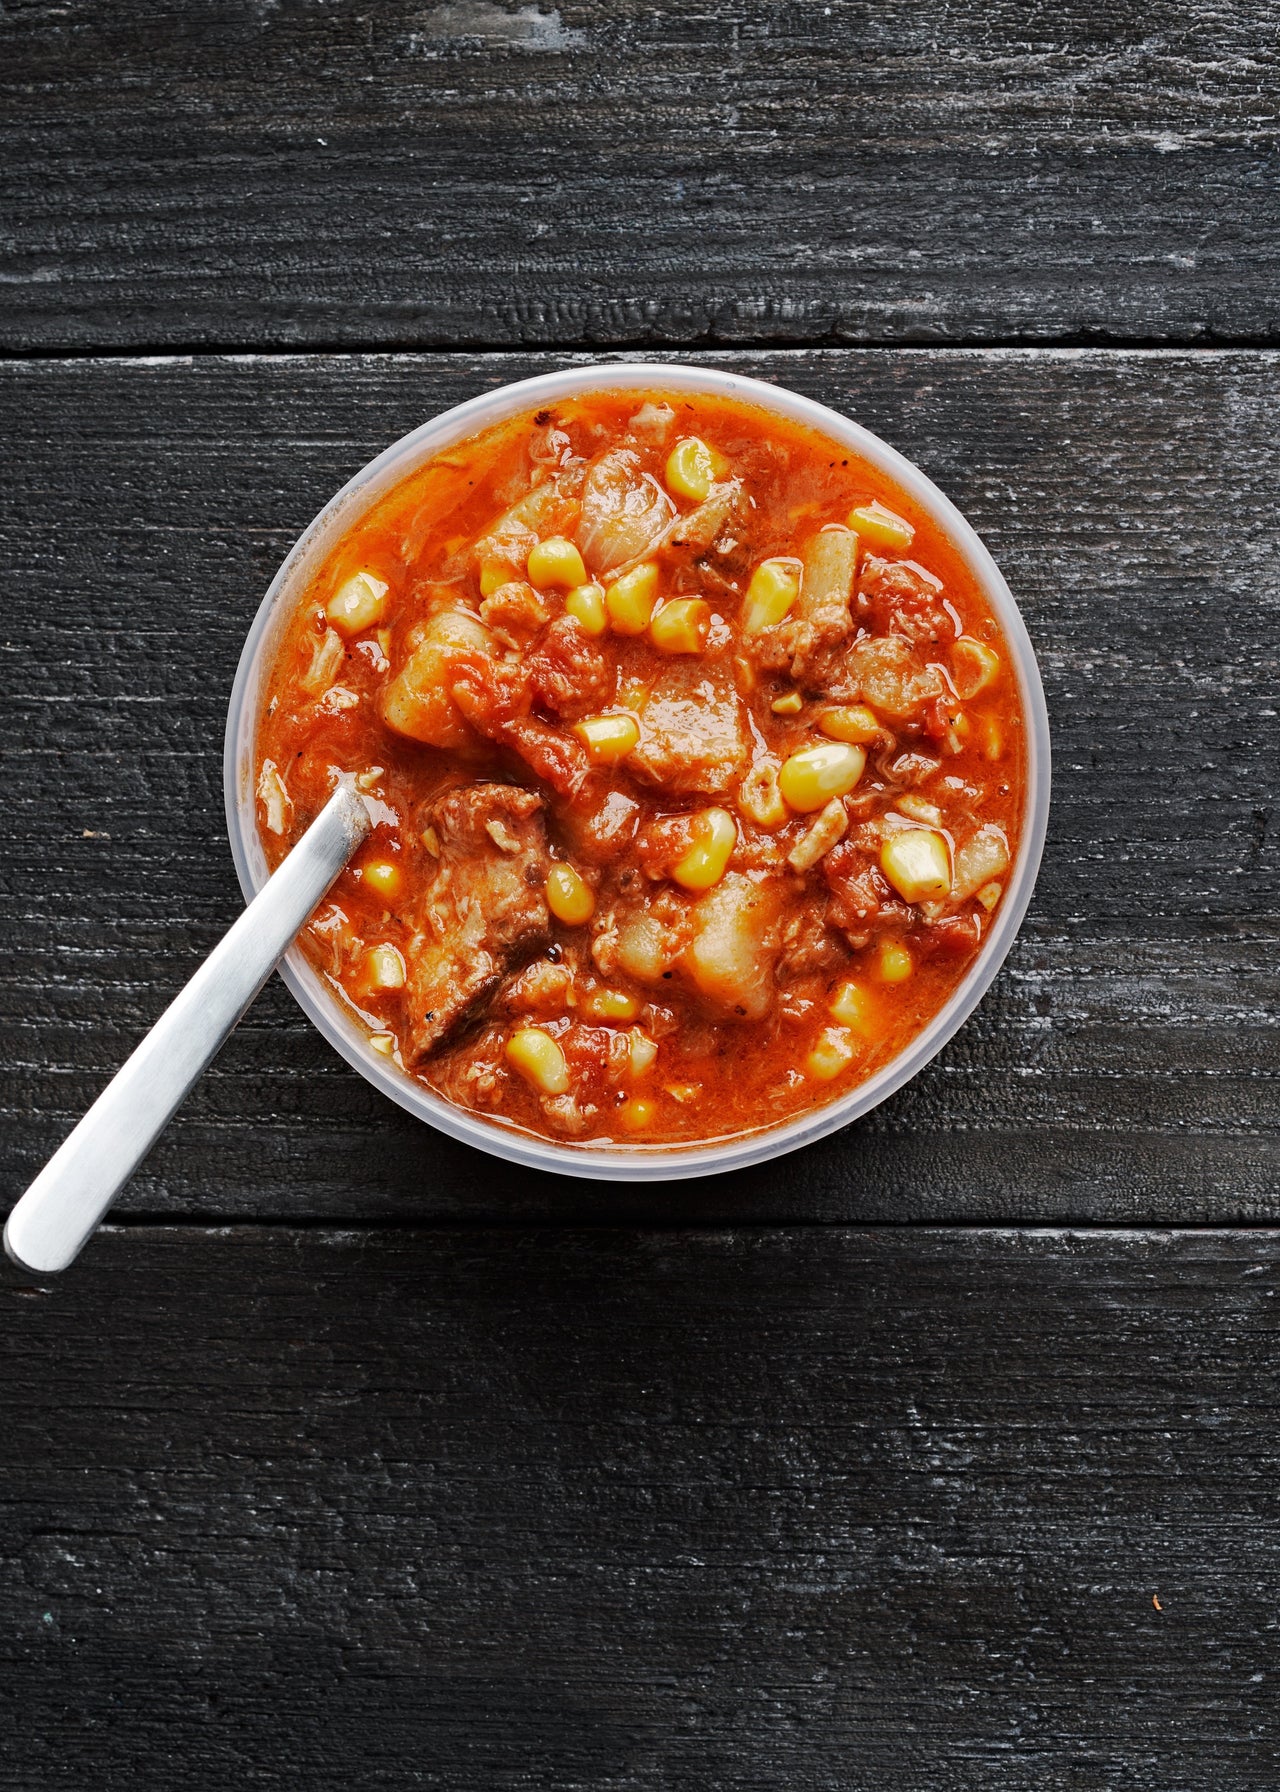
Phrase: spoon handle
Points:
(53, 1220)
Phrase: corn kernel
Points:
(774, 587)
(642, 1053)
(539, 1060)
(790, 705)
(811, 777)
(759, 797)
(569, 896)
(607, 738)
(636, 1114)
(494, 574)
(585, 603)
(611, 1004)
(385, 968)
(384, 1043)
(630, 599)
(681, 626)
(833, 1052)
(881, 527)
(555, 562)
(894, 964)
(693, 468)
(383, 877)
(853, 722)
(358, 603)
(989, 895)
(974, 666)
(917, 864)
(704, 863)
(853, 1007)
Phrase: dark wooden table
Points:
(941, 1456)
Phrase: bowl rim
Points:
(323, 1007)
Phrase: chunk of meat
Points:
(731, 958)
(549, 445)
(693, 734)
(515, 613)
(954, 936)
(497, 700)
(599, 834)
(484, 909)
(665, 842)
(474, 1076)
(862, 898)
(808, 945)
(897, 597)
(541, 989)
(643, 942)
(556, 758)
(652, 423)
(572, 675)
(906, 769)
(715, 522)
(625, 511)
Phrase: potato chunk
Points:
(731, 958)
(892, 677)
(693, 738)
(571, 676)
(830, 561)
(640, 943)
(984, 856)
(418, 702)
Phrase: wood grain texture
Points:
(488, 173)
(1124, 1067)
(815, 1509)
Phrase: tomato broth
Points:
(696, 763)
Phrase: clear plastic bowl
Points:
(632, 1162)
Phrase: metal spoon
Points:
(51, 1223)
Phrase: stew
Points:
(695, 758)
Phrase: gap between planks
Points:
(175, 353)
(188, 1222)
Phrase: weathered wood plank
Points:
(484, 174)
(815, 1508)
(1123, 1068)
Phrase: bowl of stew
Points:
(707, 757)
